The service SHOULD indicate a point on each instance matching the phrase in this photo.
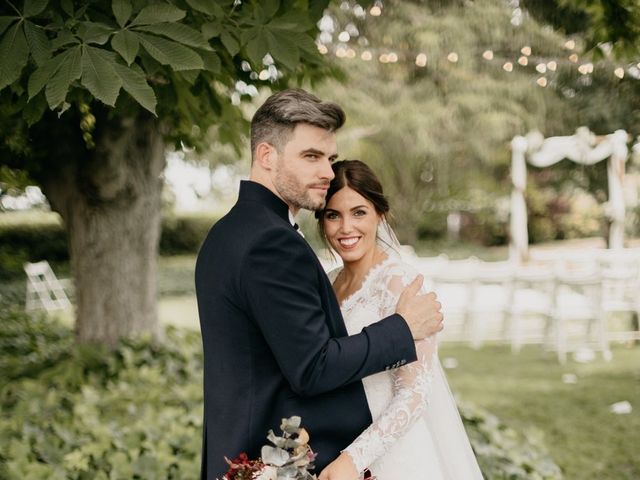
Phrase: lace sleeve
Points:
(411, 390)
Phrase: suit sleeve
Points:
(280, 281)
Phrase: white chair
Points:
(491, 300)
(532, 308)
(621, 290)
(453, 283)
(578, 312)
(44, 290)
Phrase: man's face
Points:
(303, 169)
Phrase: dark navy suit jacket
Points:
(275, 344)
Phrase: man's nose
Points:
(327, 171)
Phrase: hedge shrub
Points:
(42, 237)
(136, 413)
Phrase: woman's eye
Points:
(331, 216)
(359, 213)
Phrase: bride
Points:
(416, 432)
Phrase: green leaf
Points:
(179, 33)
(135, 84)
(122, 11)
(34, 7)
(270, 7)
(230, 43)
(14, 53)
(38, 42)
(292, 21)
(126, 44)
(190, 75)
(171, 53)
(68, 71)
(204, 6)
(158, 13)
(211, 61)
(93, 32)
(67, 6)
(34, 110)
(211, 29)
(257, 48)
(64, 38)
(99, 76)
(5, 22)
(42, 74)
(283, 49)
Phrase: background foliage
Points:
(136, 413)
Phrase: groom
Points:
(275, 344)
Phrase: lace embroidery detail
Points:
(397, 398)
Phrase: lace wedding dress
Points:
(416, 432)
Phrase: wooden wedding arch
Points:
(584, 148)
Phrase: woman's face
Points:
(350, 224)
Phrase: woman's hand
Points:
(342, 468)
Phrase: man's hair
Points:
(275, 120)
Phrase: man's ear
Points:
(265, 155)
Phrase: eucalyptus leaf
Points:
(274, 456)
(14, 53)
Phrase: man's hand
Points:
(421, 312)
(342, 468)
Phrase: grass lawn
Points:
(527, 392)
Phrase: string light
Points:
(542, 81)
(586, 68)
(619, 72)
(393, 57)
(344, 37)
(487, 55)
(573, 58)
(453, 57)
(264, 75)
(508, 67)
(552, 65)
(351, 53)
(526, 50)
(421, 60)
(541, 68)
(366, 56)
(375, 11)
(569, 44)
(384, 58)
(323, 49)
(524, 61)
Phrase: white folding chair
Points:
(44, 290)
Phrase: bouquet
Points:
(289, 458)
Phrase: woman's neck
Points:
(355, 271)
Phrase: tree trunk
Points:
(110, 202)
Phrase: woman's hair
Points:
(356, 175)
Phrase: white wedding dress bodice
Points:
(416, 431)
